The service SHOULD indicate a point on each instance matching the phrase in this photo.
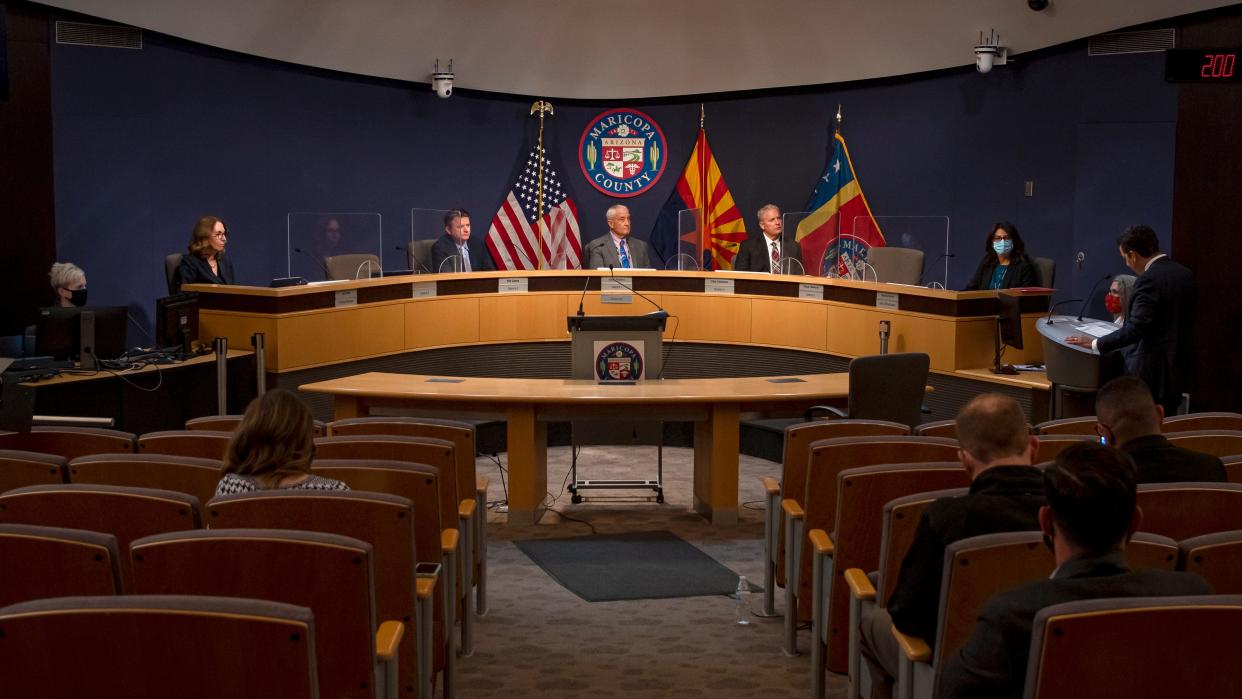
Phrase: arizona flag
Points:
(840, 228)
(538, 207)
(701, 186)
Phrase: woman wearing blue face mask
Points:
(1004, 264)
(69, 281)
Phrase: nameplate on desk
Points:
(512, 285)
(346, 297)
(814, 292)
(717, 286)
(424, 290)
(883, 299)
(443, 380)
(616, 289)
(788, 379)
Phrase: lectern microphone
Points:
(1055, 306)
(658, 313)
(582, 298)
(1087, 300)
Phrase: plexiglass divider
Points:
(689, 241)
(427, 227)
(327, 245)
(927, 234)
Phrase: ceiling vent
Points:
(1148, 41)
(109, 36)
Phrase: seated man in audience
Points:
(1006, 493)
(1090, 516)
(1128, 418)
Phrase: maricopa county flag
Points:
(701, 186)
(840, 228)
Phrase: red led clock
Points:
(1202, 66)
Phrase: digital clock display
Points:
(1202, 65)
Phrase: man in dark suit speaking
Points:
(763, 253)
(1158, 321)
(1087, 522)
(617, 249)
(455, 243)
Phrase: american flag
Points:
(511, 237)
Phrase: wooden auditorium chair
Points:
(1149, 551)
(1053, 444)
(854, 542)
(434, 542)
(1217, 558)
(1214, 442)
(939, 428)
(21, 468)
(126, 513)
(184, 474)
(201, 444)
(827, 458)
(69, 442)
(38, 562)
(329, 574)
(386, 522)
(157, 646)
(1136, 647)
(1202, 421)
(1069, 425)
(1233, 468)
(1184, 510)
(462, 435)
(456, 511)
(228, 423)
(795, 450)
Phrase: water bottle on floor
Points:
(743, 600)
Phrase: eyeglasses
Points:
(1000, 237)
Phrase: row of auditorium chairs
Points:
(1216, 421)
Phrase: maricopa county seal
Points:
(622, 152)
(619, 361)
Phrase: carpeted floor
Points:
(539, 639)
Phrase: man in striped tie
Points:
(617, 249)
(763, 253)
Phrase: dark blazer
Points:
(195, 270)
(1158, 323)
(992, 664)
(1021, 273)
(755, 255)
(1001, 499)
(1160, 461)
(601, 252)
(480, 258)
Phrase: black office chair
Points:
(1046, 267)
(884, 387)
(171, 263)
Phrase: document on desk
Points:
(1097, 329)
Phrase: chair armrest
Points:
(914, 648)
(448, 540)
(792, 509)
(771, 485)
(859, 584)
(424, 587)
(821, 541)
(465, 509)
(481, 483)
(388, 639)
(832, 412)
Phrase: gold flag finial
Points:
(542, 107)
(839, 119)
(702, 115)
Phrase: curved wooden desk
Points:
(714, 405)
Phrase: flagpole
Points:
(542, 107)
(704, 237)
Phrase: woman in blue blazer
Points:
(204, 262)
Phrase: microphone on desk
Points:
(1052, 310)
(582, 298)
(658, 313)
(945, 256)
(1092, 294)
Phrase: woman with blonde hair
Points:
(272, 448)
(204, 261)
(69, 282)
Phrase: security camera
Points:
(1038, 5)
(990, 53)
(442, 80)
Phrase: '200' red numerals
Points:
(1218, 65)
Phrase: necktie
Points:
(465, 258)
(776, 257)
(625, 255)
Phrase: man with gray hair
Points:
(617, 249)
(763, 253)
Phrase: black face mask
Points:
(77, 297)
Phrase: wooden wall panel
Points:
(441, 321)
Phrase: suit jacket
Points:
(480, 259)
(601, 252)
(1158, 323)
(1160, 461)
(1021, 273)
(992, 663)
(1001, 499)
(755, 254)
(195, 270)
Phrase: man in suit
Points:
(1006, 492)
(1158, 321)
(455, 243)
(617, 249)
(763, 253)
(1089, 517)
(1128, 418)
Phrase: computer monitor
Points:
(87, 334)
(1008, 331)
(176, 321)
